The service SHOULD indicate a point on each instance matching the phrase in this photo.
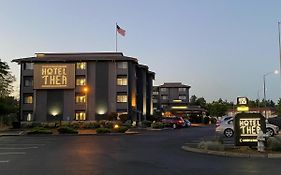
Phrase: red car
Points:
(175, 122)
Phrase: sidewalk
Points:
(11, 132)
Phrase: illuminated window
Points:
(80, 115)
(28, 66)
(27, 116)
(81, 66)
(80, 81)
(182, 89)
(163, 89)
(28, 81)
(80, 98)
(155, 101)
(179, 107)
(164, 97)
(155, 92)
(27, 99)
(122, 65)
(182, 97)
(122, 98)
(123, 81)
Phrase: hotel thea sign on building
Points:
(54, 76)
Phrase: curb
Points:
(56, 135)
(231, 154)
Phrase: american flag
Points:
(120, 30)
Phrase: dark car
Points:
(175, 122)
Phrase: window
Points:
(80, 81)
(163, 89)
(122, 98)
(182, 89)
(27, 99)
(155, 92)
(81, 66)
(80, 115)
(122, 65)
(164, 97)
(80, 98)
(27, 116)
(27, 81)
(182, 97)
(155, 101)
(28, 66)
(122, 81)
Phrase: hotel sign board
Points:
(54, 76)
(247, 126)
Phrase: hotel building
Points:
(83, 86)
(173, 99)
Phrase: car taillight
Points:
(217, 125)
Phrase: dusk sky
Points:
(220, 48)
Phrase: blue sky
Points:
(220, 48)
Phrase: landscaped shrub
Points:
(120, 129)
(67, 130)
(128, 123)
(157, 125)
(103, 130)
(36, 124)
(39, 130)
(49, 125)
(211, 145)
(106, 124)
(274, 144)
(91, 125)
(146, 123)
(123, 117)
(112, 116)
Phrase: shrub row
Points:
(120, 129)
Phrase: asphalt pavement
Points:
(150, 152)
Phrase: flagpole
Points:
(115, 37)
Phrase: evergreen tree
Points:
(6, 80)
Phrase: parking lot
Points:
(150, 152)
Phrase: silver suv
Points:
(226, 127)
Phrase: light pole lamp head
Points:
(276, 72)
(85, 89)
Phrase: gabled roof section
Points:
(75, 57)
(174, 85)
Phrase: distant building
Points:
(173, 98)
(83, 86)
(270, 111)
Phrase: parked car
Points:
(222, 119)
(226, 127)
(175, 122)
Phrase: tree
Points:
(201, 102)
(197, 101)
(6, 80)
(218, 108)
(8, 104)
(278, 107)
(192, 100)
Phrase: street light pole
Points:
(264, 90)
